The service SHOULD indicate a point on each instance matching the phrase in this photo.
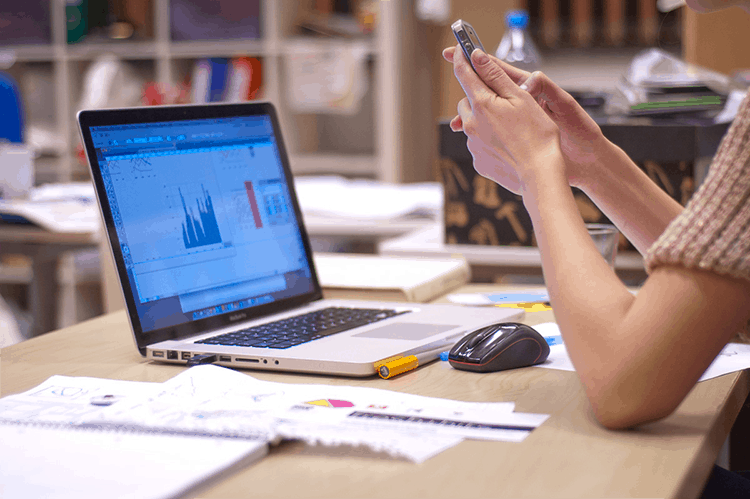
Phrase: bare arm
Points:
(602, 170)
(637, 356)
(629, 198)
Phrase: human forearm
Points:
(621, 345)
(569, 257)
(589, 300)
(629, 351)
(628, 197)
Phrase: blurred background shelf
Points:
(125, 50)
(359, 165)
(170, 36)
(410, 89)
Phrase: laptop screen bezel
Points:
(155, 114)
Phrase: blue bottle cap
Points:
(444, 356)
(517, 19)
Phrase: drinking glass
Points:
(605, 238)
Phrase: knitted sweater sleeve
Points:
(713, 231)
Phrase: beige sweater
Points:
(713, 231)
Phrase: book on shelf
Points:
(385, 278)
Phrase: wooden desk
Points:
(568, 456)
(45, 248)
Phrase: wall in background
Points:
(719, 40)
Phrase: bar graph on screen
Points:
(203, 229)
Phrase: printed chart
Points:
(331, 403)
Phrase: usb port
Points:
(225, 358)
(157, 354)
(240, 359)
(171, 355)
(185, 355)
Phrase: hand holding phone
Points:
(467, 38)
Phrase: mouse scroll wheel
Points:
(482, 336)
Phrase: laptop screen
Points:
(204, 216)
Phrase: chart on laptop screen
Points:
(202, 210)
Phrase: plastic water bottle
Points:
(516, 47)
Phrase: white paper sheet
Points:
(56, 216)
(733, 357)
(211, 400)
(64, 399)
(65, 207)
(416, 448)
(222, 401)
(337, 197)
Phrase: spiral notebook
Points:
(48, 449)
(54, 461)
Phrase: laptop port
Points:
(157, 354)
(240, 359)
(225, 358)
(185, 355)
(171, 355)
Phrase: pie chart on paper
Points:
(330, 403)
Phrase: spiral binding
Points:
(137, 429)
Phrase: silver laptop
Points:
(212, 254)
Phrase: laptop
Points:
(214, 262)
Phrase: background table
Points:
(45, 249)
(493, 263)
(570, 455)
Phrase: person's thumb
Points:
(539, 86)
(492, 74)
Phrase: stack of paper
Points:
(67, 208)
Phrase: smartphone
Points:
(467, 38)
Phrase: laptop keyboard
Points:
(300, 329)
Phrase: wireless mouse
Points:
(507, 345)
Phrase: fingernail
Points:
(525, 85)
(481, 57)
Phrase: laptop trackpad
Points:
(403, 331)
